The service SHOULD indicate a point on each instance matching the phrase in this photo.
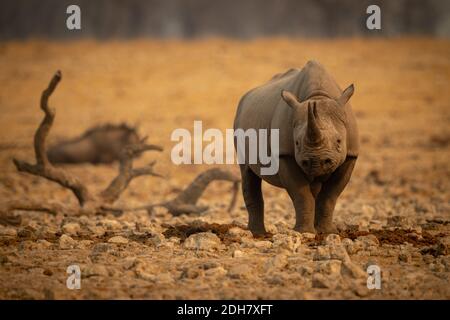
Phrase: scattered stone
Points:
(94, 270)
(348, 245)
(118, 240)
(333, 240)
(308, 236)
(101, 247)
(329, 267)
(339, 252)
(240, 271)
(66, 242)
(129, 263)
(276, 263)
(237, 232)
(7, 231)
(237, 254)
(216, 272)
(263, 245)
(206, 241)
(43, 244)
(71, 229)
(322, 253)
(157, 239)
(353, 270)
(84, 244)
(98, 231)
(286, 242)
(164, 278)
(112, 225)
(191, 273)
(368, 241)
(305, 270)
(320, 281)
(404, 257)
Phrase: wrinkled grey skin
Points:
(319, 144)
(102, 144)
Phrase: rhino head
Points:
(319, 132)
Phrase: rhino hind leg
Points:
(328, 195)
(253, 198)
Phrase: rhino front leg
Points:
(253, 198)
(328, 195)
(299, 191)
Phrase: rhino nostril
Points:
(305, 163)
(327, 161)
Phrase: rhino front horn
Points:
(313, 134)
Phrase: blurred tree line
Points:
(231, 18)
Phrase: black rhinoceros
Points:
(318, 144)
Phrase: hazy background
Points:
(106, 19)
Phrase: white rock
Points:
(263, 245)
(348, 245)
(308, 235)
(202, 241)
(110, 224)
(71, 228)
(98, 231)
(43, 244)
(322, 253)
(66, 242)
(290, 243)
(333, 240)
(118, 240)
(237, 254)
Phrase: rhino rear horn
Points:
(313, 133)
(346, 95)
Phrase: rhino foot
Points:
(257, 231)
(327, 228)
(305, 229)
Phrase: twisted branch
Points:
(43, 167)
(186, 201)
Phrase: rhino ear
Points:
(346, 95)
(290, 98)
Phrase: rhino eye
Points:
(296, 143)
(339, 141)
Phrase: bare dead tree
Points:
(89, 203)
(186, 201)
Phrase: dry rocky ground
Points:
(394, 213)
